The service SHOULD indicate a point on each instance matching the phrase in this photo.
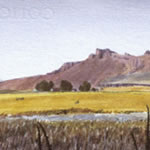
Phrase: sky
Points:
(38, 36)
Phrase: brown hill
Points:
(103, 67)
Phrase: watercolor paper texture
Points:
(75, 74)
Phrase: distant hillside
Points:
(134, 78)
(105, 66)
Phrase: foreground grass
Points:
(72, 135)
(106, 101)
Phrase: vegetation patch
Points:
(71, 135)
(74, 102)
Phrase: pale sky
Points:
(38, 36)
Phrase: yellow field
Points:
(105, 101)
(128, 89)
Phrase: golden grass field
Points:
(109, 100)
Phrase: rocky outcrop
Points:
(64, 67)
(101, 53)
(91, 56)
(105, 64)
(68, 65)
(147, 52)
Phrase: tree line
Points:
(64, 86)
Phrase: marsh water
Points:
(83, 117)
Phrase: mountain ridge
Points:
(101, 67)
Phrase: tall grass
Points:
(78, 135)
(147, 133)
(31, 135)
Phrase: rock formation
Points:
(105, 64)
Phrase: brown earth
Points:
(97, 68)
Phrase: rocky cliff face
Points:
(68, 65)
(101, 53)
(97, 68)
(147, 52)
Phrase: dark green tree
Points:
(94, 89)
(51, 85)
(86, 86)
(81, 88)
(44, 86)
(66, 86)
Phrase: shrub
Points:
(44, 86)
(65, 86)
(51, 85)
(86, 86)
(94, 89)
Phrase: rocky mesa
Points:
(105, 66)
